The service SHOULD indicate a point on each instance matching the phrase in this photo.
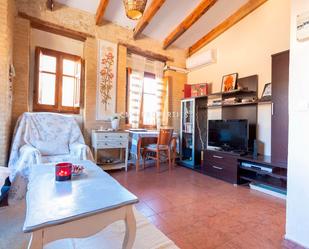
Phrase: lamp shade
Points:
(134, 8)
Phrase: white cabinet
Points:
(110, 140)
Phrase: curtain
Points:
(165, 101)
(137, 65)
(160, 91)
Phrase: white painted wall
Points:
(246, 48)
(297, 225)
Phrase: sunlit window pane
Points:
(47, 85)
(70, 92)
(149, 107)
(48, 63)
(71, 68)
(150, 85)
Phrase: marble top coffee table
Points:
(78, 208)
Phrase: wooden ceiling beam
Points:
(148, 15)
(242, 12)
(146, 53)
(100, 11)
(54, 28)
(196, 14)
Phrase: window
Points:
(57, 81)
(149, 101)
(148, 98)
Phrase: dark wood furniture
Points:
(162, 147)
(228, 167)
(275, 179)
(247, 89)
(221, 165)
(194, 119)
(280, 118)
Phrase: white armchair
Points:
(43, 138)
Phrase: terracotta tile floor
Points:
(197, 211)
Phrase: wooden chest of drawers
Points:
(110, 140)
(221, 165)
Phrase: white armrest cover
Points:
(80, 151)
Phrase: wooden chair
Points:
(163, 146)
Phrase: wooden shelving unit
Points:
(280, 175)
(233, 171)
(277, 178)
(265, 181)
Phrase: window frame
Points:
(60, 56)
(141, 119)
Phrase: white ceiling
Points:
(167, 18)
(90, 5)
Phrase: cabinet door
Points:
(280, 118)
(187, 132)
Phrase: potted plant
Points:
(115, 121)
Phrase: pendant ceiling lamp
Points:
(134, 8)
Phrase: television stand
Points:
(233, 152)
(240, 169)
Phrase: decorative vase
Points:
(115, 124)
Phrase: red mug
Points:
(63, 171)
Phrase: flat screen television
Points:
(230, 135)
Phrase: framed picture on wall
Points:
(229, 82)
(266, 95)
(107, 80)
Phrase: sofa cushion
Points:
(52, 148)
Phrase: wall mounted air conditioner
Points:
(201, 59)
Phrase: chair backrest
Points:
(165, 136)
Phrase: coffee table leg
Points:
(36, 241)
(130, 229)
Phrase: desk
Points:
(140, 139)
(78, 208)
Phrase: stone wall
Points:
(83, 21)
(7, 13)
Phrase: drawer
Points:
(109, 144)
(221, 158)
(105, 136)
(221, 165)
(222, 172)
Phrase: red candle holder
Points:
(63, 171)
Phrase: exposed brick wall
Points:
(7, 13)
(21, 62)
(121, 79)
(84, 21)
(90, 54)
